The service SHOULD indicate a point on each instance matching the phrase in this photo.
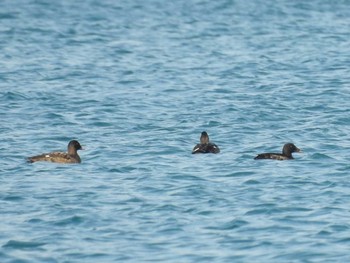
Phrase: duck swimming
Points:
(205, 146)
(286, 154)
(60, 157)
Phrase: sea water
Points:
(136, 82)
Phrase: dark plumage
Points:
(205, 146)
(60, 157)
(286, 154)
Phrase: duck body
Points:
(60, 157)
(274, 156)
(205, 146)
(286, 154)
(55, 157)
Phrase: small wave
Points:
(233, 224)
(16, 244)
(320, 156)
(9, 96)
(70, 220)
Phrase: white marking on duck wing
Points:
(196, 148)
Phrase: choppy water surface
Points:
(136, 82)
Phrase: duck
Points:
(60, 157)
(205, 146)
(286, 154)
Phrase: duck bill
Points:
(298, 150)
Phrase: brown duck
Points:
(205, 146)
(60, 157)
(286, 154)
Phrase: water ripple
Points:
(136, 83)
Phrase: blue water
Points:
(136, 82)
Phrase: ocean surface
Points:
(136, 82)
